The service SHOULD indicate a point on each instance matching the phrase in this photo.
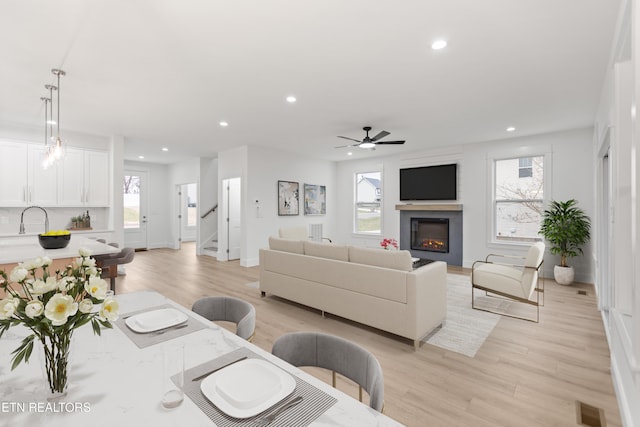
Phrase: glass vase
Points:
(54, 354)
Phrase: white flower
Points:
(92, 271)
(85, 262)
(18, 274)
(96, 287)
(59, 308)
(84, 252)
(85, 306)
(46, 261)
(66, 284)
(40, 286)
(8, 307)
(109, 309)
(34, 308)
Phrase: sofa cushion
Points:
(286, 245)
(326, 250)
(397, 260)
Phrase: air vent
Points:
(588, 415)
(582, 292)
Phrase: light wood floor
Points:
(525, 374)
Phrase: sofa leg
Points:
(263, 294)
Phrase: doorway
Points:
(187, 213)
(232, 217)
(134, 195)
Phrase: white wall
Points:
(265, 167)
(474, 192)
(619, 291)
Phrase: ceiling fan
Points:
(368, 142)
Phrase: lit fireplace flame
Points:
(436, 245)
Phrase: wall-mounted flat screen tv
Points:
(429, 183)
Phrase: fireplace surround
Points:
(432, 214)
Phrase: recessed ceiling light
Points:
(511, 129)
(349, 153)
(141, 157)
(165, 149)
(291, 99)
(224, 124)
(439, 44)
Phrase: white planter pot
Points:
(563, 275)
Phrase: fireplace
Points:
(431, 217)
(430, 234)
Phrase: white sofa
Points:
(371, 286)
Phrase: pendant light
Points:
(57, 149)
(53, 144)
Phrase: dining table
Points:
(118, 378)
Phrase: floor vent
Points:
(588, 415)
(582, 292)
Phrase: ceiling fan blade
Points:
(380, 135)
(344, 146)
(389, 142)
(350, 139)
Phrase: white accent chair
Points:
(294, 233)
(299, 233)
(517, 282)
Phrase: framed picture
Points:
(315, 199)
(288, 198)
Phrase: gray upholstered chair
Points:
(229, 309)
(517, 282)
(109, 263)
(338, 355)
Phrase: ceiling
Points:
(165, 73)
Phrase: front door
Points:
(135, 209)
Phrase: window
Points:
(518, 198)
(368, 206)
(131, 201)
(525, 167)
(192, 204)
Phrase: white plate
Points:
(247, 388)
(155, 320)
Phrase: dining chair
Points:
(109, 263)
(337, 355)
(229, 309)
(515, 282)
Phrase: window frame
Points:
(547, 168)
(380, 195)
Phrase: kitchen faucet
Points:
(46, 219)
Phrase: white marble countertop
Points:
(19, 249)
(114, 383)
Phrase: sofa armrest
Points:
(427, 288)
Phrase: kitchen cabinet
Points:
(42, 188)
(83, 178)
(13, 173)
(23, 180)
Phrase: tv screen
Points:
(429, 183)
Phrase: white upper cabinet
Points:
(13, 173)
(80, 178)
(42, 188)
(83, 178)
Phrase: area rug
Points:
(466, 329)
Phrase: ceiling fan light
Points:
(367, 145)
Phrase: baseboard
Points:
(626, 415)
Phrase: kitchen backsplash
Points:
(59, 218)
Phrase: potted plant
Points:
(566, 227)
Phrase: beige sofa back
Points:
(396, 260)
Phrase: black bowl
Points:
(54, 242)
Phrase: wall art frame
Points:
(288, 198)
